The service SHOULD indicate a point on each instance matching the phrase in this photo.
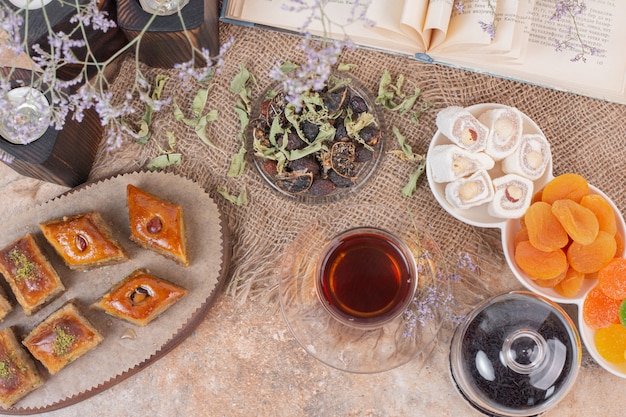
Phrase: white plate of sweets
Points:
(486, 165)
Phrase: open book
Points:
(582, 52)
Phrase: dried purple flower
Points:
(573, 40)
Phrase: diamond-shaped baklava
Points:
(84, 241)
(18, 374)
(157, 224)
(61, 338)
(32, 279)
(140, 298)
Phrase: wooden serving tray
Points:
(120, 356)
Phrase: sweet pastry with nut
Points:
(32, 278)
(505, 131)
(451, 162)
(84, 241)
(62, 337)
(469, 192)
(512, 196)
(157, 224)
(140, 298)
(462, 128)
(530, 159)
(18, 374)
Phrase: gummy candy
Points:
(612, 278)
(611, 343)
(600, 310)
(622, 313)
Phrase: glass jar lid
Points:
(516, 354)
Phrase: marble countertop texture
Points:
(242, 360)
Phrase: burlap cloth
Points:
(587, 136)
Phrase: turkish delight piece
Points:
(469, 192)
(462, 128)
(451, 162)
(512, 196)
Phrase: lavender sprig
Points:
(573, 41)
(83, 92)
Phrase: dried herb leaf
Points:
(237, 163)
(409, 189)
(238, 200)
(240, 81)
(164, 161)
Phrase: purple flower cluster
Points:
(313, 73)
(189, 72)
(437, 301)
(74, 96)
(573, 40)
(568, 8)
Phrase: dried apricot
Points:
(520, 236)
(590, 258)
(571, 284)
(545, 231)
(600, 310)
(565, 187)
(612, 278)
(540, 264)
(550, 283)
(619, 240)
(603, 211)
(611, 343)
(580, 223)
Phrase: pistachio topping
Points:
(24, 268)
(5, 370)
(62, 341)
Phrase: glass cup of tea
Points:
(366, 277)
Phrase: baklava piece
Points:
(62, 338)
(18, 374)
(157, 225)
(32, 279)
(140, 298)
(84, 241)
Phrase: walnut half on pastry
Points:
(84, 241)
(140, 298)
(157, 224)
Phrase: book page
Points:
(398, 19)
(559, 54)
(339, 22)
(511, 21)
(555, 50)
(469, 26)
(438, 21)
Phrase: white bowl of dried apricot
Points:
(569, 247)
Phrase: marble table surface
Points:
(242, 360)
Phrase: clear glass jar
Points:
(163, 7)
(517, 354)
(28, 117)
